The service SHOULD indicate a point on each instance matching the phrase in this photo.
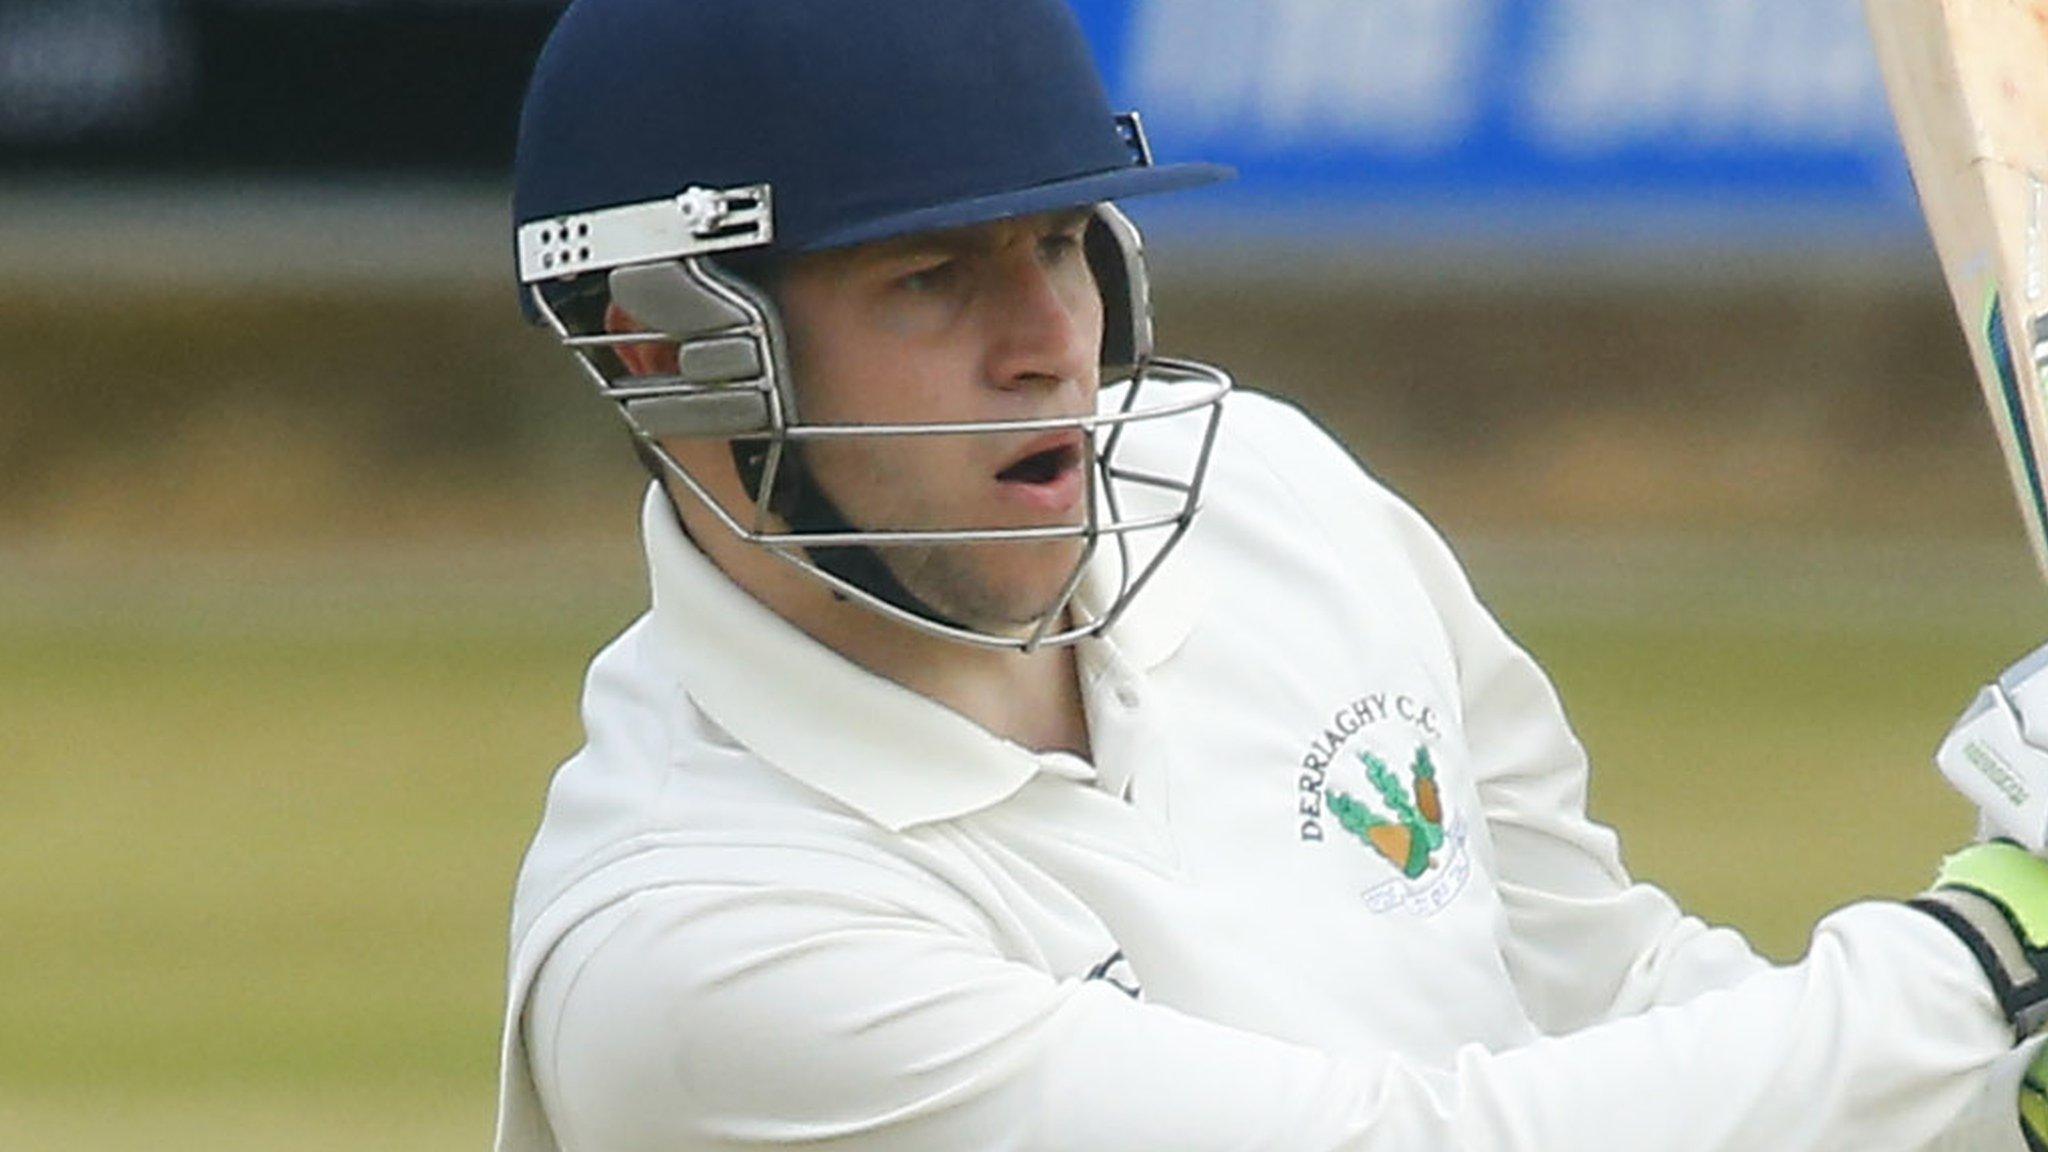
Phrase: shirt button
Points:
(1127, 696)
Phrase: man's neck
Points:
(1031, 699)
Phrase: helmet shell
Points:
(868, 118)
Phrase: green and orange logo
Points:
(1411, 830)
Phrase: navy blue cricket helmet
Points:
(869, 118)
(663, 141)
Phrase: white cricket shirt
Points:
(1329, 883)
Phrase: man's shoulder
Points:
(1287, 436)
(1272, 452)
(658, 762)
(1273, 413)
(1270, 412)
(1283, 484)
(713, 827)
(1292, 439)
(656, 769)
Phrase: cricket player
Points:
(1034, 743)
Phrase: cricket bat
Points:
(1968, 81)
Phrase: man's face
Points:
(997, 322)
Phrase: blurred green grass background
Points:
(261, 814)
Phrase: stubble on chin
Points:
(978, 586)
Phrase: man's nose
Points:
(1045, 327)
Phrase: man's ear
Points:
(657, 357)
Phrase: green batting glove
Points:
(2034, 1103)
(1994, 896)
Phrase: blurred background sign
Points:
(422, 87)
(1605, 121)
(1650, 121)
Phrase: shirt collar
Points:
(893, 755)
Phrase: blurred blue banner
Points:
(1657, 121)
(1647, 126)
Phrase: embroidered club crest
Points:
(1415, 830)
(1371, 778)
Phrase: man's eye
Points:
(1060, 246)
(932, 278)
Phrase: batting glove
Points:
(1995, 897)
(2034, 1103)
(1997, 754)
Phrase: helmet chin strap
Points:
(803, 505)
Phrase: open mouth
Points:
(1045, 464)
(1048, 477)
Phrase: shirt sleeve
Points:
(1587, 943)
(1594, 954)
(709, 1017)
(721, 1017)
(1990, 1122)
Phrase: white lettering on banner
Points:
(1608, 74)
(1397, 74)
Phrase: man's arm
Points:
(721, 1016)
(1586, 942)
(716, 1017)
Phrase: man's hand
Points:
(1997, 754)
